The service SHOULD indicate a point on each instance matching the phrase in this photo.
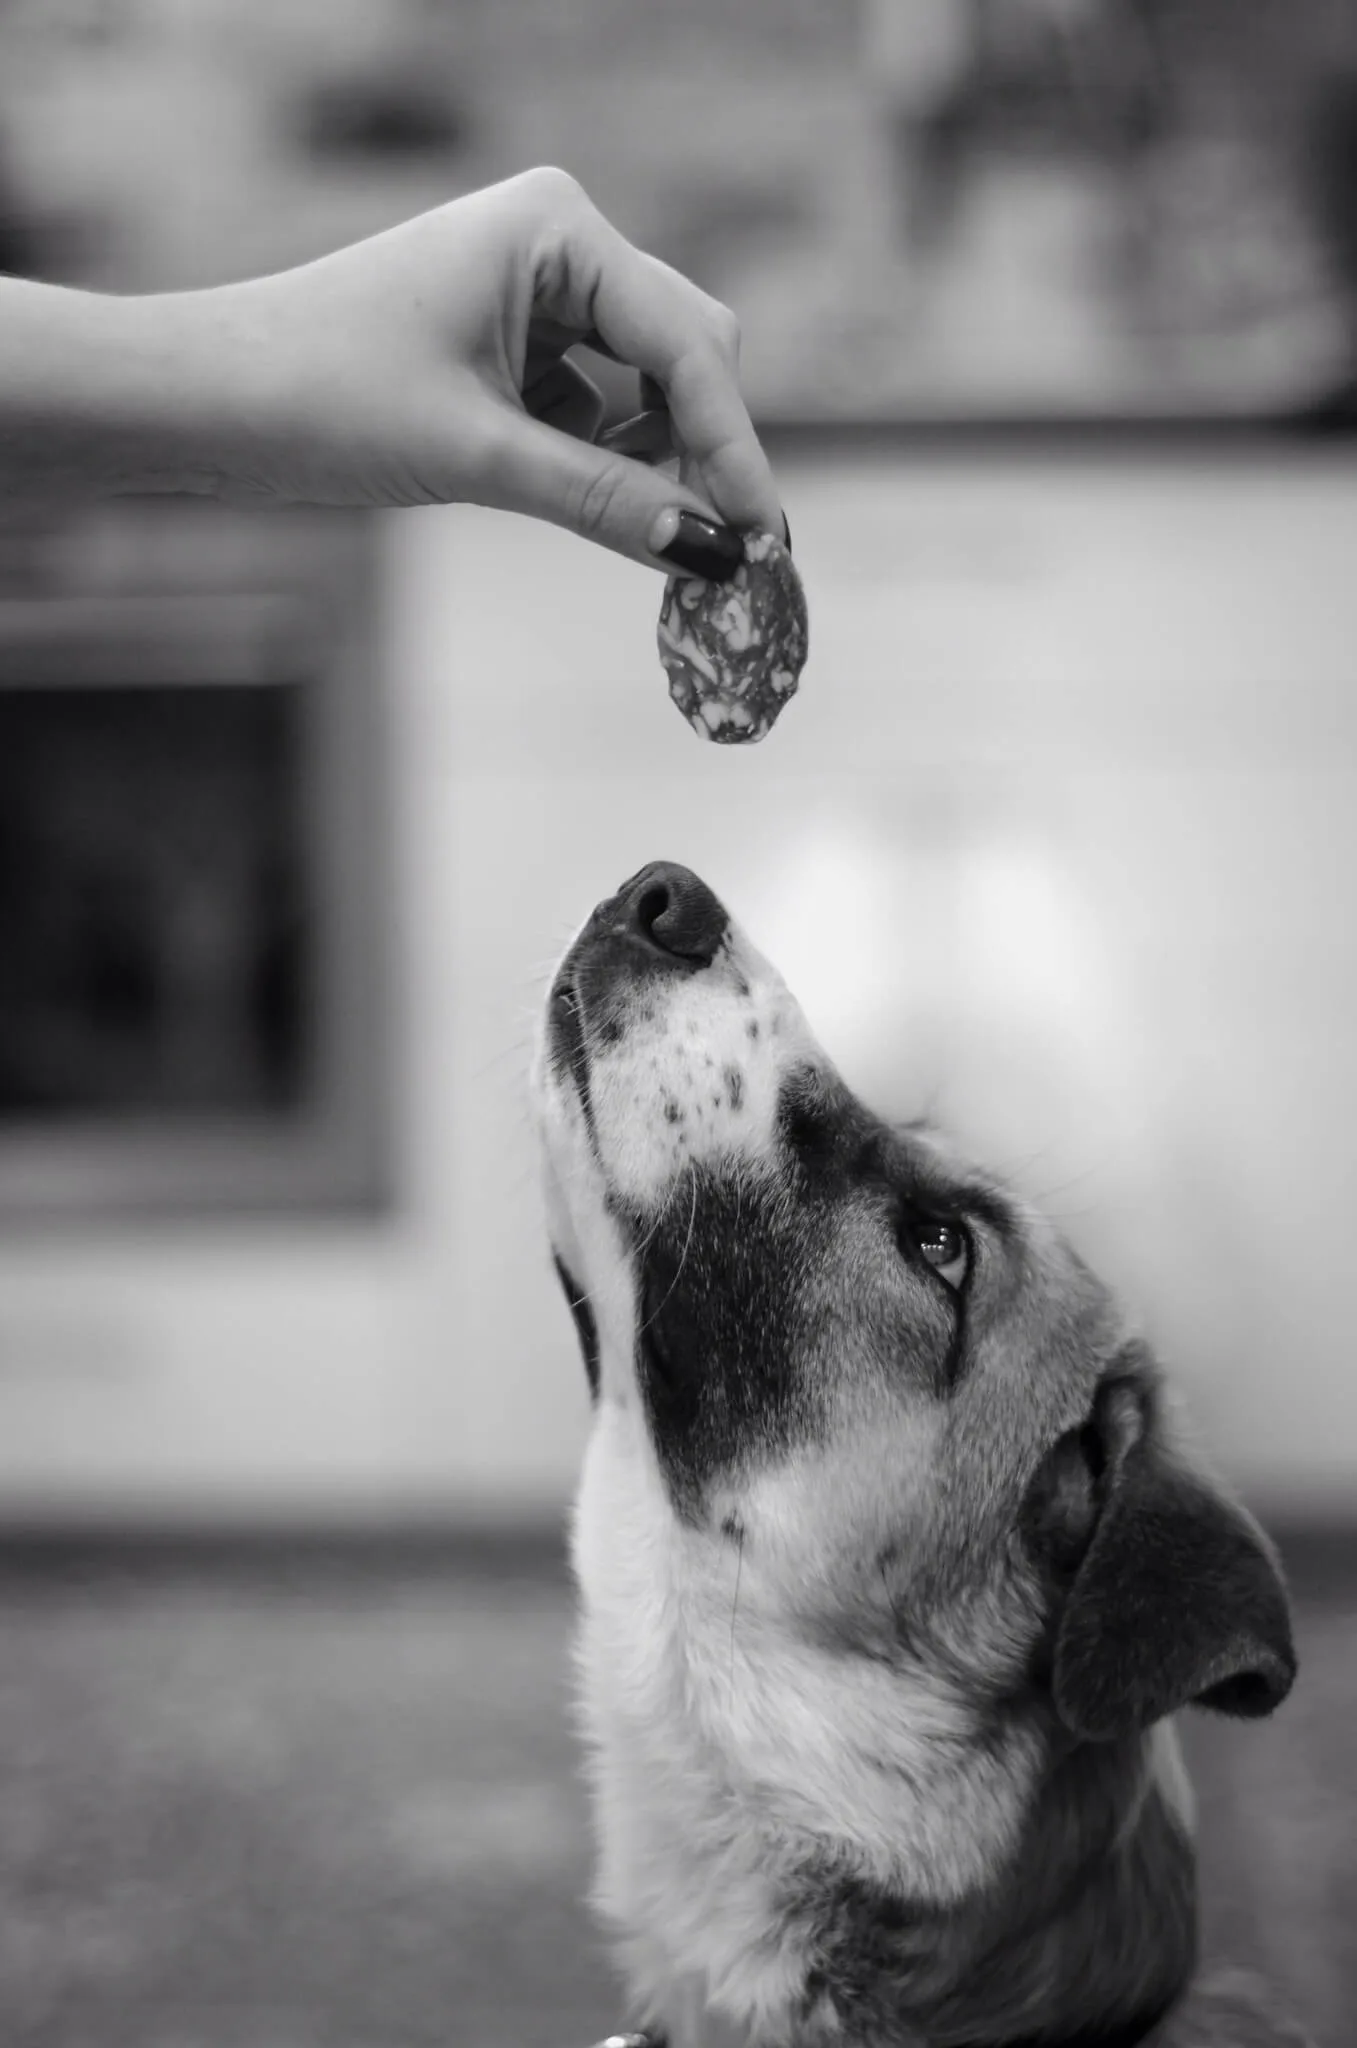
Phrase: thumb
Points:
(605, 497)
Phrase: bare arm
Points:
(101, 394)
(426, 365)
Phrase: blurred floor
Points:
(310, 1808)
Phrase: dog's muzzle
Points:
(664, 922)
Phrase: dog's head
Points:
(882, 1379)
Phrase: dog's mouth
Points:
(569, 1041)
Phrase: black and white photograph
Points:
(678, 818)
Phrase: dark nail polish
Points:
(702, 548)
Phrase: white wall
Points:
(1059, 839)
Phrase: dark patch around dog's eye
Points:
(941, 1250)
(586, 1329)
(945, 1198)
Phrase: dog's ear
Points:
(1178, 1599)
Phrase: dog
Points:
(893, 1569)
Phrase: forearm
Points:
(103, 394)
(430, 364)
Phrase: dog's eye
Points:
(943, 1246)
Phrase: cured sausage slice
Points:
(734, 651)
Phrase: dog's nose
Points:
(671, 911)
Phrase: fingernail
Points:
(696, 546)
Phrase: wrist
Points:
(108, 394)
(180, 413)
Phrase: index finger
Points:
(662, 325)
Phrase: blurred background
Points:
(1050, 313)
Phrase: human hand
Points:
(429, 364)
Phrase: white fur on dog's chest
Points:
(721, 1771)
(680, 1877)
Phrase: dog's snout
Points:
(672, 912)
(659, 929)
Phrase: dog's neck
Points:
(896, 1865)
(1085, 1940)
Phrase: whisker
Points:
(520, 1049)
(661, 1216)
(683, 1259)
(539, 976)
